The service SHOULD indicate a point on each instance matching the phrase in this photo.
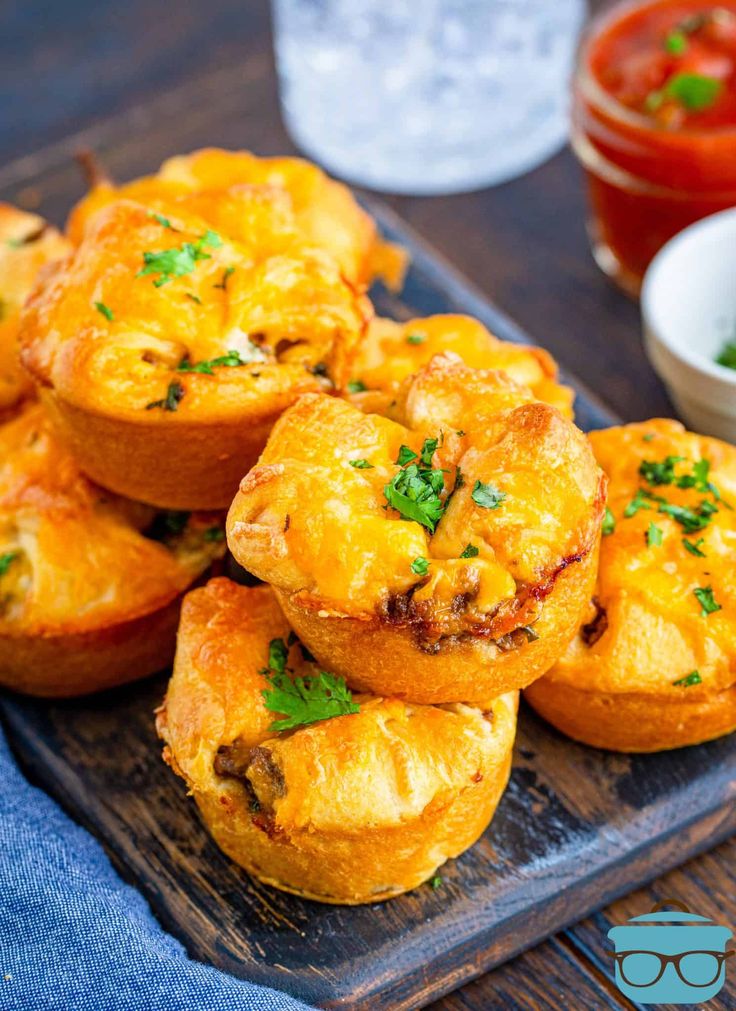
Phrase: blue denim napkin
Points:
(73, 937)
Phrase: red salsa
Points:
(655, 125)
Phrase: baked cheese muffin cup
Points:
(27, 244)
(653, 664)
(167, 344)
(324, 211)
(392, 351)
(356, 807)
(445, 557)
(90, 584)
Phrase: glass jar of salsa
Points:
(654, 125)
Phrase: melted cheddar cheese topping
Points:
(310, 522)
(665, 600)
(207, 308)
(393, 351)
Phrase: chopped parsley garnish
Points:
(694, 92)
(415, 490)
(170, 402)
(460, 433)
(214, 535)
(470, 551)
(225, 278)
(105, 310)
(660, 471)
(162, 221)
(356, 386)
(648, 437)
(690, 520)
(302, 700)
(6, 560)
(179, 260)
(420, 566)
(676, 43)
(708, 605)
(694, 546)
(361, 464)
(654, 535)
(428, 449)
(727, 355)
(232, 360)
(693, 678)
(639, 501)
(193, 297)
(406, 455)
(15, 243)
(609, 522)
(435, 882)
(487, 496)
(416, 338)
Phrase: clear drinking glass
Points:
(426, 96)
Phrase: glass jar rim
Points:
(594, 92)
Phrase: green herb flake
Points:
(105, 310)
(226, 275)
(416, 338)
(414, 494)
(193, 297)
(609, 523)
(487, 496)
(356, 386)
(694, 92)
(361, 464)
(639, 501)
(428, 450)
(171, 401)
(694, 547)
(648, 437)
(693, 678)
(406, 455)
(690, 520)
(15, 243)
(660, 471)
(654, 535)
(676, 43)
(727, 355)
(420, 566)
(162, 221)
(179, 260)
(708, 605)
(302, 700)
(7, 559)
(231, 360)
(435, 882)
(214, 535)
(470, 551)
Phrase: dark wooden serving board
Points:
(576, 828)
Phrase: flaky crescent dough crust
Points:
(353, 809)
(90, 584)
(27, 243)
(617, 684)
(392, 351)
(165, 386)
(505, 584)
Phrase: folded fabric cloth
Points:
(74, 937)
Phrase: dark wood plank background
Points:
(67, 66)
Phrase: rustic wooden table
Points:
(67, 66)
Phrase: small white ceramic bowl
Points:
(688, 304)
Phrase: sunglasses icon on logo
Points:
(670, 957)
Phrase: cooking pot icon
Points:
(667, 957)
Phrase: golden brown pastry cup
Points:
(634, 722)
(378, 656)
(90, 584)
(352, 809)
(651, 668)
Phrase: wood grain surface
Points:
(87, 74)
